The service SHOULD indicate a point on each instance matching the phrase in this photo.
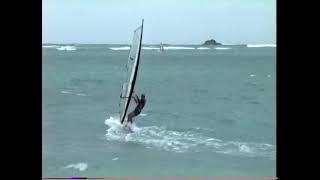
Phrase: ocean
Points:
(209, 111)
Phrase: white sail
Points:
(132, 71)
(161, 47)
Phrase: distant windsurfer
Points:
(140, 104)
(161, 47)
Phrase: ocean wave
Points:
(168, 48)
(150, 48)
(74, 93)
(180, 142)
(231, 44)
(177, 48)
(114, 159)
(120, 48)
(202, 48)
(222, 48)
(66, 92)
(66, 48)
(78, 166)
(81, 94)
(50, 46)
(261, 45)
(154, 48)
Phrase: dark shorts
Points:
(137, 111)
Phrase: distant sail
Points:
(161, 47)
(132, 67)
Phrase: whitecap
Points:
(49, 46)
(120, 48)
(222, 48)
(81, 94)
(161, 138)
(260, 45)
(66, 48)
(150, 48)
(78, 166)
(177, 48)
(65, 92)
(202, 48)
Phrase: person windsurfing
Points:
(140, 104)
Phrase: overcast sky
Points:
(167, 21)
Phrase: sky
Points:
(166, 21)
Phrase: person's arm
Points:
(135, 100)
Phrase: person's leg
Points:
(130, 116)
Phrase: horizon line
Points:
(155, 43)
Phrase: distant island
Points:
(211, 42)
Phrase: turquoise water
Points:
(208, 112)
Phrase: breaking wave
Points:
(180, 142)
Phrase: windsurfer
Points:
(140, 104)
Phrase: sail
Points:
(161, 47)
(132, 67)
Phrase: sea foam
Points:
(161, 138)
(260, 45)
(66, 48)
